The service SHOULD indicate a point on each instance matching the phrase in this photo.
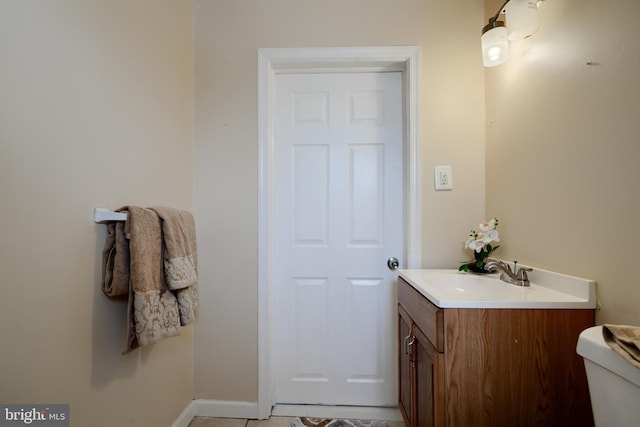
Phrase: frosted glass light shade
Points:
(495, 46)
(522, 18)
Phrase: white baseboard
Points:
(216, 409)
(249, 410)
(185, 417)
(350, 412)
(225, 409)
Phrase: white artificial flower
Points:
(491, 236)
(474, 244)
(488, 226)
(479, 242)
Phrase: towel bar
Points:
(105, 215)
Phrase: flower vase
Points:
(478, 266)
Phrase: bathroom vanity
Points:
(475, 351)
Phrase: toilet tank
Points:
(614, 383)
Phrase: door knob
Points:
(393, 263)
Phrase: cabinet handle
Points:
(406, 349)
(407, 345)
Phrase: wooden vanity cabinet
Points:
(421, 358)
(490, 367)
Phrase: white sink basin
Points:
(454, 289)
(485, 286)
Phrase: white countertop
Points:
(454, 289)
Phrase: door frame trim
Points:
(272, 61)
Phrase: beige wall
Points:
(227, 37)
(96, 110)
(563, 148)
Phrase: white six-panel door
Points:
(338, 213)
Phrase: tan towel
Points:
(625, 340)
(180, 259)
(115, 261)
(153, 308)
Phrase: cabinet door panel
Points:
(405, 366)
(429, 383)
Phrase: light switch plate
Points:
(443, 178)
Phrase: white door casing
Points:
(338, 218)
(272, 62)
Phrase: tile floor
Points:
(235, 422)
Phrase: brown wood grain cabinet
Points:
(490, 367)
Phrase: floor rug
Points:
(324, 422)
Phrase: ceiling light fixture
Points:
(495, 46)
(522, 19)
(522, 22)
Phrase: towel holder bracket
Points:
(101, 215)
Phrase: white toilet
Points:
(614, 383)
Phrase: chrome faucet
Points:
(516, 276)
